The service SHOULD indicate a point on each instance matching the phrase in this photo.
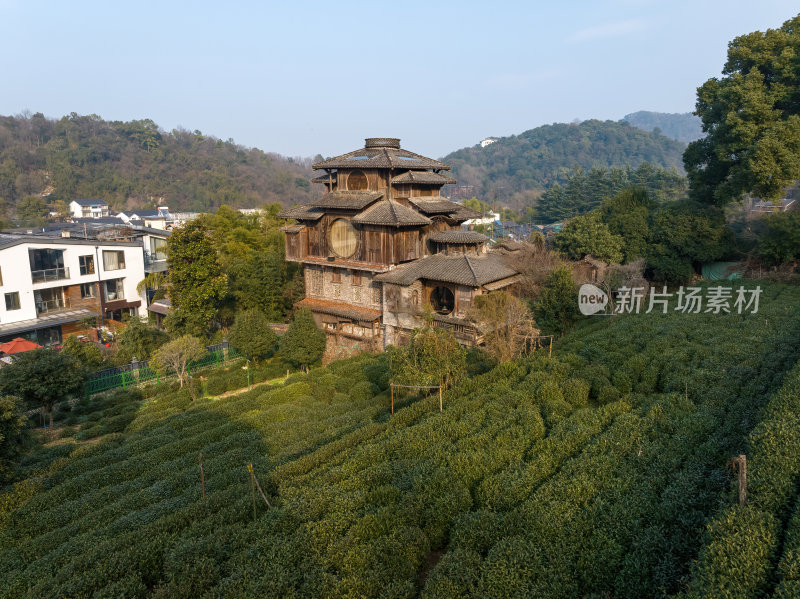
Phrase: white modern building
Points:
(88, 208)
(54, 287)
(155, 218)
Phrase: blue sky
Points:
(302, 78)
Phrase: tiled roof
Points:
(324, 178)
(423, 178)
(435, 205)
(382, 153)
(457, 236)
(302, 213)
(350, 200)
(91, 202)
(340, 309)
(389, 212)
(463, 213)
(472, 271)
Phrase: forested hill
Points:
(540, 157)
(684, 127)
(135, 164)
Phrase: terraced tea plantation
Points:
(601, 472)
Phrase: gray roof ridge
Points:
(474, 274)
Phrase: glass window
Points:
(12, 301)
(357, 181)
(342, 238)
(87, 265)
(88, 290)
(113, 260)
(158, 248)
(114, 290)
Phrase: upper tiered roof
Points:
(382, 152)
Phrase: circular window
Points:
(342, 238)
(357, 181)
(442, 300)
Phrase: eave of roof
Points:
(435, 205)
(423, 178)
(471, 271)
(391, 213)
(348, 200)
(302, 213)
(340, 309)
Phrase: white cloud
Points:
(608, 30)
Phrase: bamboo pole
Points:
(441, 407)
(391, 387)
(550, 355)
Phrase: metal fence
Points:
(136, 373)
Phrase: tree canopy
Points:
(511, 168)
(433, 356)
(135, 163)
(197, 285)
(252, 335)
(42, 377)
(583, 191)
(751, 117)
(303, 344)
(176, 356)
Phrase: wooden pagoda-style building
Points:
(382, 243)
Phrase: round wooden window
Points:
(443, 300)
(357, 181)
(342, 238)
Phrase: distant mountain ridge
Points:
(136, 164)
(518, 168)
(684, 127)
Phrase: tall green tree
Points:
(683, 236)
(556, 308)
(42, 376)
(627, 215)
(252, 335)
(303, 344)
(751, 117)
(589, 235)
(197, 284)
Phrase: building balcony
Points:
(49, 274)
(53, 305)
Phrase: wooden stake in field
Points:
(254, 484)
(252, 488)
(740, 464)
(202, 477)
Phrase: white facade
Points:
(488, 141)
(33, 296)
(88, 208)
